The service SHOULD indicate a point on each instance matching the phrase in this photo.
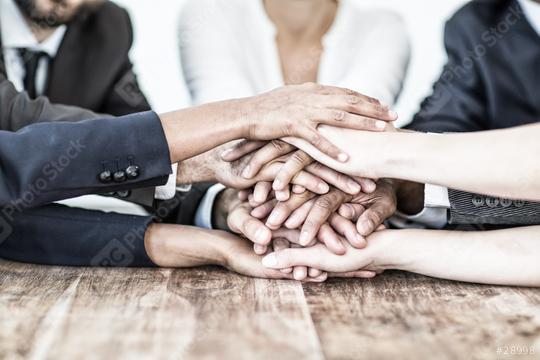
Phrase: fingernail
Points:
(385, 105)
(225, 153)
(343, 157)
(274, 217)
(258, 197)
(354, 186)
(393, 114)
(260, 235)
(360, 239)
(304, 238)
(277, 184)
(380, 125)
(323, 188)
(247, 172)
(270, 261)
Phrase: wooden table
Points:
(208, 313)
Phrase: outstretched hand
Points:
(298, 110)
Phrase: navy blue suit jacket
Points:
(491, 81)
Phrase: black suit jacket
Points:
(92, 69)
(491, 81)
(58, 235)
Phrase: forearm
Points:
(503, 257)
(193, 131)
(459, 161)
(183, 246)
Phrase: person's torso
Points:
(507, 54)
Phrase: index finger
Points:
(323, 208)
(241, 222)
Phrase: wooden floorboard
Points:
(209, 313)
(406, 316)
(66, 313)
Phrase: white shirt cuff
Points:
(167, 191)
(203, 216)
(433, 216)
(436, 196)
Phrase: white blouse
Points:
(228, 50)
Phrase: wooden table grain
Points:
(209, 313)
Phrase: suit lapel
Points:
(2, 65)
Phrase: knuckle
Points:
(353, 99)
(325, 202)
(278, 145)
(290, 128)
(375, 217)
(339, 115)
(316, 140)
(299, 157)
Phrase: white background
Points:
(156, 57)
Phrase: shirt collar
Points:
(532, 12)
(17, 34)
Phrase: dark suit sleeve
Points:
(125, 96)
(46, 162)
(17, 110)
(457, 103)
(60, 235)
(467, 208)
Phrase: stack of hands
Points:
(298, 211)
(295, 218)
(309, 213)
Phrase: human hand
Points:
(330, 215)
(177, 246)
(298, 110)
(359, 263)
(210, 167)
(294, 162)
(369, 211)
(240, 220)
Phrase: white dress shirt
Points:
(16, 34)
(228, 50)
(436, 199)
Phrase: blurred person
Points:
(235, 48)
(74, 52)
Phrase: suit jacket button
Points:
(506, 203)
(119, 176)
(478, 201)
(519, 203)
(492, 202)
(133, 172)
(123, 194)
(105, 177)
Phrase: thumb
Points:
(288, 258)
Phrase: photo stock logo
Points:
(115, 254)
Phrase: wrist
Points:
(387, 250)
(181, 246)
(198, 169)
(222, 207)
(193, 131)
